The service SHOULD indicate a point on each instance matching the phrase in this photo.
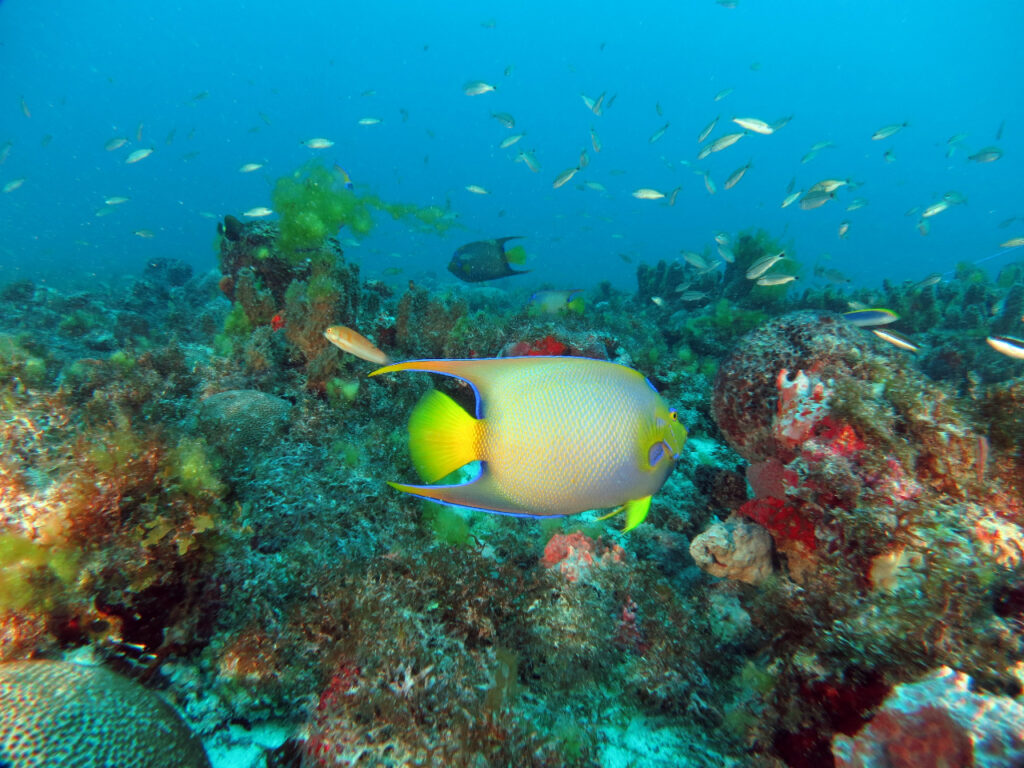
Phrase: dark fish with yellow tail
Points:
(487, 260)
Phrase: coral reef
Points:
(884, 507)
(192, 489)
(55, 713)
(937, 722)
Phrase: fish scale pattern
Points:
(562, 437)
(56, 714)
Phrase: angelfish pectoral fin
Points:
(636, 510)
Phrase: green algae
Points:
(313, 204)
(341, 392)
(32, 575)
(195, 468)
(449, 527)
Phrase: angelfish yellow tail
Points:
(442, 436)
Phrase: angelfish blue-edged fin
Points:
(636, 511)
(480, 493)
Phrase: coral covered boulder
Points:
(937, 722)
(241, 420)
(746, 393)
(58, 714)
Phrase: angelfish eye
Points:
(673, 415)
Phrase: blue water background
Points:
(92, 71)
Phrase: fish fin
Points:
(483, 374)
(442, 436)
(516, 255)
(479, 494)
(502, 240)
(636, 510)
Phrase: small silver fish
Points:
(1010, 346)
(933, 279)
(692, 296)
(736, 175)
(138, 154)
(791, 198)
(529, 160)
(725, 141)
(658, 133)
(707, 130)
(782, 122)
(886, 131)
(896, 339)
(986, 155)
(763, 264)
(816, 199)
(770, 280)
(755, 125)
(505, 119)
(695, 260)
(709, 183)
(645, 193)
(829, 185)
(564, 176)
(477, 88)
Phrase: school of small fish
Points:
(579, 171)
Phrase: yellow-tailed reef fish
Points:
(487, 260)
(553, 436)
(554, 302)
(865, 318)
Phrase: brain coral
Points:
(746, 395)
(57, 714)
(240, 420)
